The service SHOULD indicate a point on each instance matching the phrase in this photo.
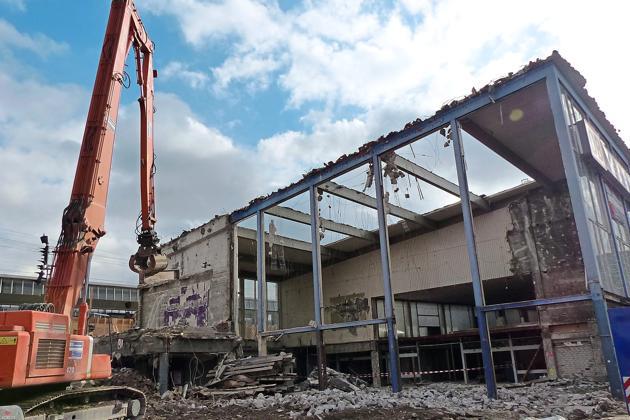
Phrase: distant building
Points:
(116, 301)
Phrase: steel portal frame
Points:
(554, 79)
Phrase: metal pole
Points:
(392, 338)
(513, 358)
(419, 361)
(586, 244)
(261, 302)
(461, 350)
(484, 333)
(317, 288)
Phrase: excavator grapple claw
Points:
(147, 261)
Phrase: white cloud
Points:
(177, 70)
(390, 65)
(39, 44)
(250, 68)
(416, 53)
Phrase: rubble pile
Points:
(337, 380)
(569, 399)
(564, 399)
(251, 375)
(132, 378)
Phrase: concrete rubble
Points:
(568, 399)
(561, 399)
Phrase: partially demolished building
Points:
(487, 240)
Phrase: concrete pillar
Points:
(262, 345)
(550, 356)
(163, 372)
(375, 359)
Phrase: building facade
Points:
(397, 263)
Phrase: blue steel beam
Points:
(392, 334)
(325, 327)
(353, 324)
(261, 303)
(316, 256)
(285, 331)
(482, 321)
(535, 302)
(317, 288)
(581, 221)
(395, 141)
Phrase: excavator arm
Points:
(84, 217)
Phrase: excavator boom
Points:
(40, 350)
(83, 222)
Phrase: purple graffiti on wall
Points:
(191, 310)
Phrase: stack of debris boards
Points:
(251, 375)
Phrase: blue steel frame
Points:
(392, 334)
(261, 301)
(622, 269)
(553, 79)
(554, 82)
(480, 301)
(535, 302)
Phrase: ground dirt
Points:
(557, 400)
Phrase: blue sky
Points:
(253, 94)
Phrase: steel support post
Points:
(484, 333)
(261, 295)
(236, 285)
(464, 368)
(622, 270)
(419, 361)
(317, 288)
(581, 221)
(513, 359)
(392, 337)
(625, 211)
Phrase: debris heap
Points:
(251, 375)
(337, 380)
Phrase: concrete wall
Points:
(545, 242)
(199, 291)
(435, 259)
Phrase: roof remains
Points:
(567, 70)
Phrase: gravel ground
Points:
(568, 399)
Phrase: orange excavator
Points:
(40, 353)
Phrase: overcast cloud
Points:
(387, 65)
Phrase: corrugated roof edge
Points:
(575, 77)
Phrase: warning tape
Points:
(626, 388)
(430, 372)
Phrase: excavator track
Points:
(102, 402)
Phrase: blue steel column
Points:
(482, 320)
(622, 269)
(625, 212)
(317, 288)
(392, 337)
(261, 295)
(586, 244)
